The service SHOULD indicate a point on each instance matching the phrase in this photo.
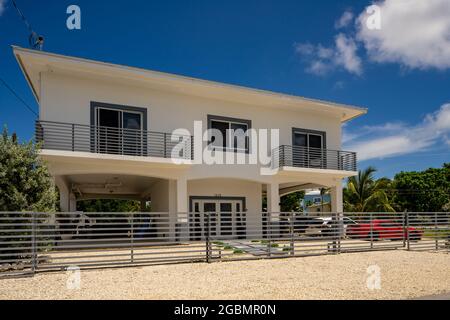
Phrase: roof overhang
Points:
(33, 63)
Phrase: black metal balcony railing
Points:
(316, 158)
(109, 140)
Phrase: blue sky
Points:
(316, 49)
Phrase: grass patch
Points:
(287, 249)
(274, 245)
(254, 241)
(238, 251)
(430, 233)
(228, 247)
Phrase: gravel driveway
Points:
(403, 275)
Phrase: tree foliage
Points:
(25, 183)
(426, 191)
(364, 193)
(110, 205)
(291, 201)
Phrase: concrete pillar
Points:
(273, 197)
(273, 208)
(64, 193)
(336, 197)
(72, 202)
(182, 197)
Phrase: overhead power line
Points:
(18, 97)
(35, 41)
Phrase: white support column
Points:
(336, 197)
(64, 193)
(273, 197)
(72, 202)
(182, 198)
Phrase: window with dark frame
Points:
(119, 129)
(233, 131)
(308, 148)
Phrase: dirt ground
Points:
(403, 275)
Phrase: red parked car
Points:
(382, 229)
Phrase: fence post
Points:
(371, 229)
(407, 231)
(132, 238)
(269, 233)
(207, 239)
(292, 234)
(436, 231)
(33, 243)
(404, 228)
(340, 230)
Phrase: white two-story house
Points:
(107, 131)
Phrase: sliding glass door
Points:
(308, 149)
(119, 132)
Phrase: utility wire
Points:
(35, 41)
(18, 97)
(23, 17)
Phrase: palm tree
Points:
(363, 193)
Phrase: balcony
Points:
(109, 140)
(313, 158)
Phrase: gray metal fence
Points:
(34, 242)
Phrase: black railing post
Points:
(192, 147)
(73, 137)
(165, 145)
(39, 132)
(282, 157)
(339, 161)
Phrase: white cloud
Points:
(344, 20)
(414, 33)
(2, 6)
(346, 54)
(394, 139)
(322, 60)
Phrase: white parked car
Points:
(327, 228)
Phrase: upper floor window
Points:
(309, 148)
(118, 129)
(308, 138)
(230, 134)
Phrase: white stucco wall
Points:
(68, 98)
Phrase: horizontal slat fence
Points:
(34, 242)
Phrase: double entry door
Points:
(226, 218)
